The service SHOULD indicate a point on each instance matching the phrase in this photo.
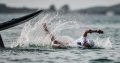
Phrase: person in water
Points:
(82, 42)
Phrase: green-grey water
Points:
(109, 24)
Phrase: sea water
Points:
(28, 42)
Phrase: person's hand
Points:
(100, 31)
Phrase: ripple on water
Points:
(101, 60)
(17, 60)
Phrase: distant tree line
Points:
(64, 9)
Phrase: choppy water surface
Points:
(28, 43)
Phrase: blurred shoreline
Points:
(111, 10)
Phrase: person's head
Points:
(89, 43)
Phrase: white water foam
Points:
(103, 43)
(34, 35)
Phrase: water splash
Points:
(103, 43)
(35, 36)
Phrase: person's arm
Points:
(48, 32)
(56, 43)
(45, 28)
(91, 31)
